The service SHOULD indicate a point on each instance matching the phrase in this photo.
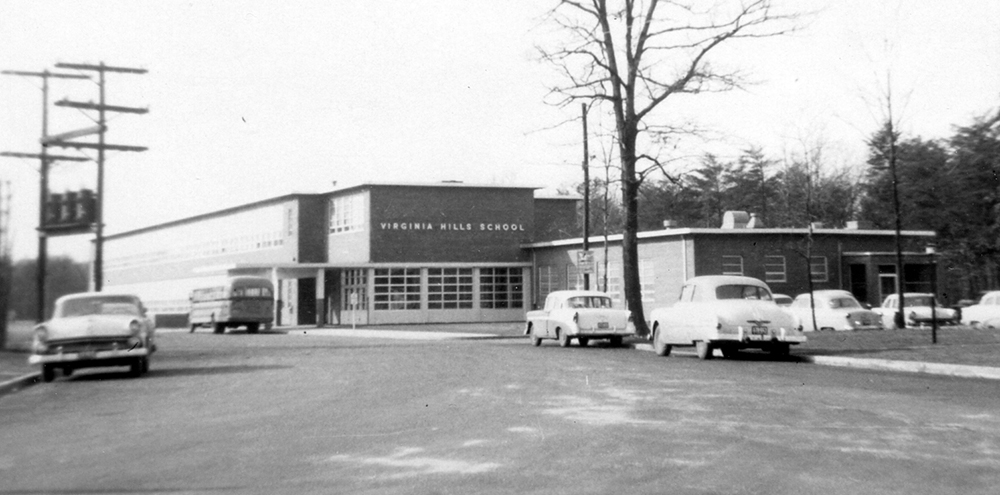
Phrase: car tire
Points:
(48, 373)
(780, 349)
(535, 340)
(253, 327)
(145, 365)
(564, 339)
(67, 371)
(704, 350)
(661, 348)
(193, 328)
(135, 369)
(615, 341)
(219, 328)
(583, 342)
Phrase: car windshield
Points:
(588, 302)
(844, 302)
(107, 305)
(918, 300)
(742, 292)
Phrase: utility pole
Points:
(100, 146)
(586, 200)
(43, 192)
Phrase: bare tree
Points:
(633, 56)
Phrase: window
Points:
(449, 288)
(574, 279)
(647, 281)
(818, 269)
(774, 269)
(397, 289)
(347, 213)
(614, 285)
(501, 288)
(354, 282)
(732, 265)
(548, 281)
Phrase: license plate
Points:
(88, 355)
(602, 324)
(758, 330)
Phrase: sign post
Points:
(585, 265)
(354, 304)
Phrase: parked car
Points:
(917, 306)
(782, 300)
(94, 329)
(835, 310)
(725, 312)
(579, 314)
(985, 313)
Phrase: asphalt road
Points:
(241, 413)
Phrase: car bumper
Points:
(74, 357)
(776, 336)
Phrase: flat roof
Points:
(295, 195)
(704, 231)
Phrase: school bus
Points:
(239, 301)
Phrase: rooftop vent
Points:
(735, 220)
(669, 224)
(755, 222)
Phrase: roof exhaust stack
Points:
(735, 220)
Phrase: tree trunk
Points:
(630, 239)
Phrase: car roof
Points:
(826, 293)
(87, 295)
(717, 280)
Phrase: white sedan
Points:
(985, 313)
(917, 306)
(725, 312)
(94, 329)
(835, 310)
(583, 315)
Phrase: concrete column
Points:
(276, 296)
(320, 297)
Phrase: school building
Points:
(376, 254)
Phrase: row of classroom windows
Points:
(411, 289)
(403, 289)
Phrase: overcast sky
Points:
(255, 99)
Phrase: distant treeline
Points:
(950, 186)
(63, 276)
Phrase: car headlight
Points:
(39, 342)
(135, 328)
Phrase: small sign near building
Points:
(585, 261)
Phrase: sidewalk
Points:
(959, 351)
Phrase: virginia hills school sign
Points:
(453, 227)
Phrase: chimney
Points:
(735, 220)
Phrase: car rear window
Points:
(742, 292)
(588, 302)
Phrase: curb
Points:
(23, 381)
(954, 370)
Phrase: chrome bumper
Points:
(69, 357)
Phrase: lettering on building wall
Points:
(481, 227)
